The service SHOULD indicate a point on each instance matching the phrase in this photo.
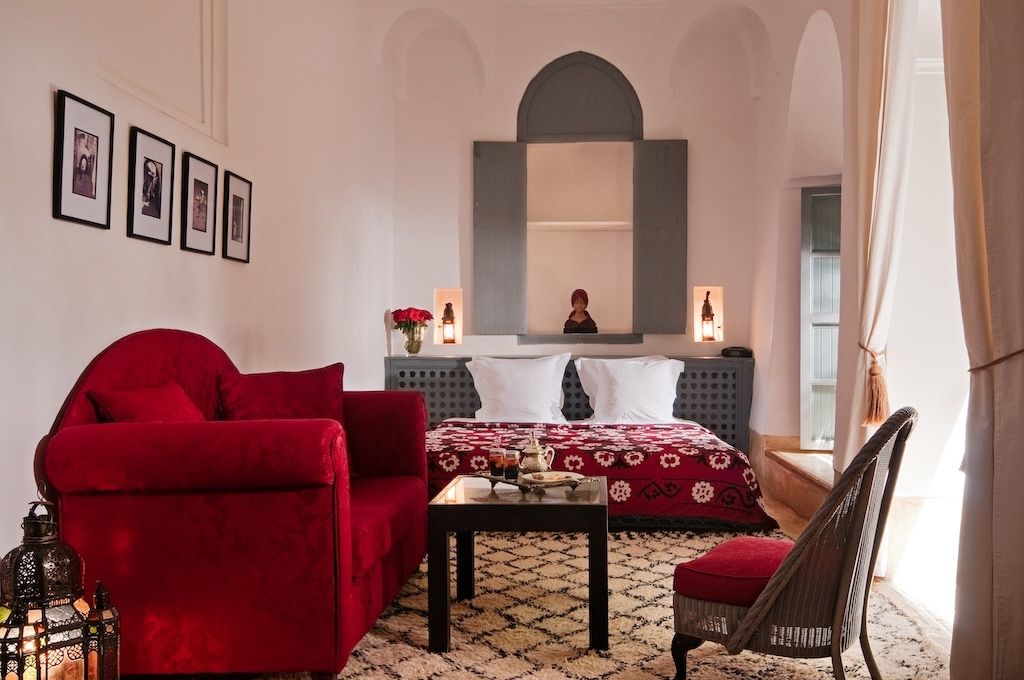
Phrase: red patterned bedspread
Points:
(681, 471)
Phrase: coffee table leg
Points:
(439, 575)
(598, 557)
(465, 589)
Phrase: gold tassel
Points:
(878, 396)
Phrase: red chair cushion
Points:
(384, 510)
(734, 572)
(164, 403)
(283, 394)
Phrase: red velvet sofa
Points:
(237, 546)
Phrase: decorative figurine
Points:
(579, 320)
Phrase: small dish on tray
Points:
(551, 478)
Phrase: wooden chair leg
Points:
(869, 658)
(837, 663)
(681, 644)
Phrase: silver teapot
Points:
(536, 458)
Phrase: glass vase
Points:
(413, 339)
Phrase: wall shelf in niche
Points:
(592, 225)
(581, 339)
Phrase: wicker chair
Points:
(815, 603)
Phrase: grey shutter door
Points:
(659, 236)
(499, 238)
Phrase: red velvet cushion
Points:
(284, 394)
(164, 403)
(384, 510)
(734, 572)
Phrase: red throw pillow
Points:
(283, 394)
(164, 403)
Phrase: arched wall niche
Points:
(580, 97)
(437, 99)
(743, 25)
(408, 27)
(814, 134)
(812, 157)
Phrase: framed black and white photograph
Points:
(198, 204)
(150, 178)
(82, 161)
(237, 213)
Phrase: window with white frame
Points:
(819, 315)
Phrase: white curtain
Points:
(984, 58)
(885, 102)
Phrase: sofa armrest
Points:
(216, 455)
(386, 433)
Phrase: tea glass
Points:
(511, 463)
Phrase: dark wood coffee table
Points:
(469, 504)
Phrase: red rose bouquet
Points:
(411, 321)
(410, 318)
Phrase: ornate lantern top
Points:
(42, 571)
(706, 313)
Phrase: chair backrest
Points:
(820, 588)
(145, 359)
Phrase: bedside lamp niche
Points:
(708, 314)
(448, 311)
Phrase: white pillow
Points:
(631, 390)
(519, 390)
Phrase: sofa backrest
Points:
(146, 359)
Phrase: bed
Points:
(683, 475)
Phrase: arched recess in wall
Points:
(810, 218)
(579, 97)
(814, 130)
(408, 27)
(438, 79)
(740, 23)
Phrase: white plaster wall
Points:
(814, 134)
(307, 121)
(693, 74)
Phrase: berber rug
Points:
(529, 620)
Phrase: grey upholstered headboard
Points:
(713, 391)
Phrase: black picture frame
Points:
(237, 218)
(83, 161)
(198, 204)
(150, 187)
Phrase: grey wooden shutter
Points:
(659, 236)
(499, 238)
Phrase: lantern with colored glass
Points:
(707, 319)
(448, 324)
(47, 630)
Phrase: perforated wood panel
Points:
(713, 391)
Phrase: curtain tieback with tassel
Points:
(877, 406)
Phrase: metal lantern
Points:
(448, 324)
(707, 319)
(47, 630)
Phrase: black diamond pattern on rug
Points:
(529, 620)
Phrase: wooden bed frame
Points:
(713, 391)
